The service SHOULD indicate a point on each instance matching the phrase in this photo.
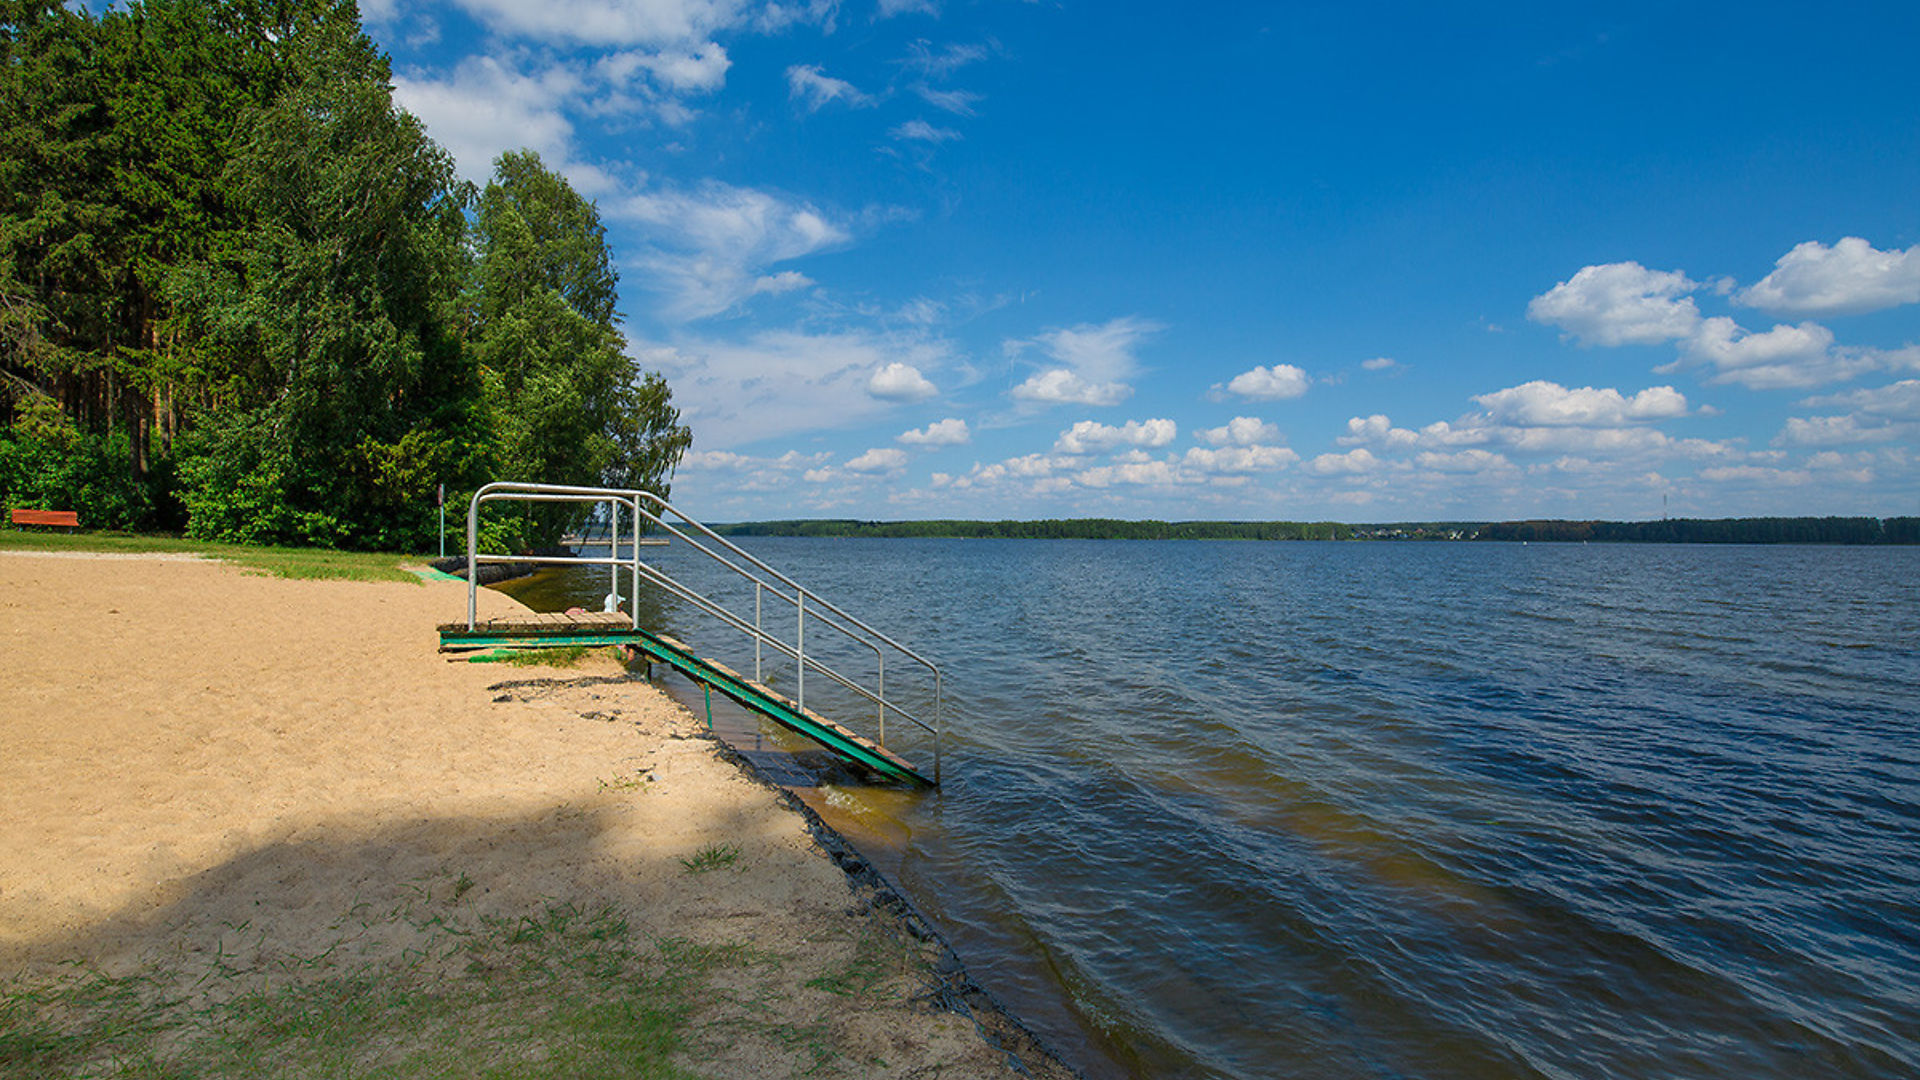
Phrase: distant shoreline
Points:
(1854, 531)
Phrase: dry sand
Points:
(201, 766)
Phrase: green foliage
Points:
(246, 279)
(560, 656)
(714, 857)
(538, 235)
(571, 406)
(47, 463)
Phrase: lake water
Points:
(1406, 810)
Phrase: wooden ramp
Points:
(612, 628)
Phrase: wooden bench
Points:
(67, 518)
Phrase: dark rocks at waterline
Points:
(485, 573)
(495, 573)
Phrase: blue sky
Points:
(1367, 262)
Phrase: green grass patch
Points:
(285, 562)
(625, 782)
(711, 858)
(564, 992)
(560, 656)
(877, 961)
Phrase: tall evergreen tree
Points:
(237, 292)
(352, 395)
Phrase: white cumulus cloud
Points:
(1092, 362)
(1785, 356)
(1899, 401)
(783, 282)
(1620, 304)
(1845, 430)
(1062, 387)
(701, 69)
(1089, 436)
(1463, 461)
(1878, 415)
(900, 382)
(949, 432)
(1354, 462)
(1846, 279)
(1276, 383)
(1240, 431)
(879, 459)
(1143, 473)
(1375, 429)
(1541, 403)
(1238, 459)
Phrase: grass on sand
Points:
(276, 561)
(565, 992)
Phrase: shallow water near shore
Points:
(1402, 810)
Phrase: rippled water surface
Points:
(1410, 810)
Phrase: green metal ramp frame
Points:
(595, 631)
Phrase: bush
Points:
(46, 463)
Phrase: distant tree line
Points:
(1051, 529)
(244, 295)
(1901, 530)
(1766, 530)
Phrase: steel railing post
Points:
(473, 557)
(757, 632)
(613, 557)
(636, 563)
(800, 651)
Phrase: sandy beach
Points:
(205, 772)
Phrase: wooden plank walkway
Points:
(540, 623)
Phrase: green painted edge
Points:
(781, 713)
(699, 670)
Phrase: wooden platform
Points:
(537, 625)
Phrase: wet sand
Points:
(202, 765)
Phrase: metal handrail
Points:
(645, 505)
(738, 623)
